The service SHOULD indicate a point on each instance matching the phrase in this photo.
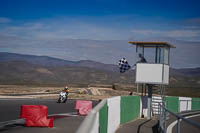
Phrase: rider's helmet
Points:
(66, 89)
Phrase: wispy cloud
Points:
(25, 27)
(183, 33)
(5, 20)
(86, 28)
(193, 21)
(62, 28)
(176, 34)
(61, 38)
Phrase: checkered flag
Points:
(123, 65)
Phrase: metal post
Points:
(178, 125)
(142, 115)
(187, 105)
(149, 101)
(165, 121)
(142, 89)
(164, 90)
(159, 108)
(137, 88)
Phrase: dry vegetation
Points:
(88, 93)
(92, 92)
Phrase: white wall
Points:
(95, 127)
(152, 73)
(185, 103)
(113, 113)
(166, 74)
(148, 73)
(91, 123)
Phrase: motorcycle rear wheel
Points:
(59, 100)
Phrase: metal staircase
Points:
(158, 92)
(155, 104)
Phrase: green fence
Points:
(172, 103)
(130, 108)
(195, 103)
(103, 119)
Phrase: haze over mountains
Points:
(185, 55)
(30, 69)
(54, 62)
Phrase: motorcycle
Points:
(63, 96)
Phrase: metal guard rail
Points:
(162, 113)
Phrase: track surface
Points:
(10, 110)
(186, 128)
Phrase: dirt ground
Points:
(89, 93)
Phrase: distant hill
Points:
(55, 62)
(40, 60)
(189, 72)
(185, 55)
(30, 69)
(20, 72)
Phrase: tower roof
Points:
(152, 44)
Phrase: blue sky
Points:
(102, 19)
(32, 26)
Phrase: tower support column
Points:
(149, 102)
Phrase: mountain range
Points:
(43, 70)
(185, 55)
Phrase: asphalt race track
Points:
(10, 110)
(186, 128)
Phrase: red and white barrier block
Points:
(83, 107)
(36, 116)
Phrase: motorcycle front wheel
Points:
(65, 100)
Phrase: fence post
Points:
(159, 110)
(187, 105)
(178, 125)
(165, 116)
(165, 119)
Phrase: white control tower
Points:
(152, 65)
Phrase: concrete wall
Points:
(185, 103)
(130, 108)
(95, 127)
(108, 115)
(114, 113)
(195, 104)
(103, 119)
(172, 103)
(180, 104)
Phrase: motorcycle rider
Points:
(66, 89)
(63, 95)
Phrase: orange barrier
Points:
(36, 116)
(83, 107)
